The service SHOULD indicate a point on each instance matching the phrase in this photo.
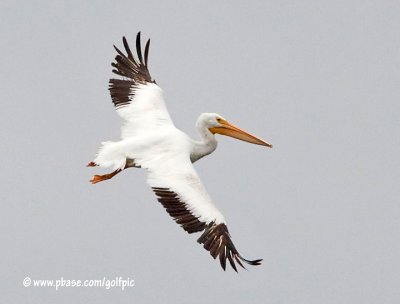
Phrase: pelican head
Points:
(216, 124)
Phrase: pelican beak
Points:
(231, 130)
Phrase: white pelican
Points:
(150, 140)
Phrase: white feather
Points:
(110, 154)
(146, 111)
(165, 153)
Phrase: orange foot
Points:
(99, 178)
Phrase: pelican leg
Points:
(99, 178)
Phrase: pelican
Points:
(150, 140)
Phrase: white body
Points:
(151, 139)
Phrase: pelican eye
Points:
(219, 119)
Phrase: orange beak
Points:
(231, 130)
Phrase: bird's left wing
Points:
(181, 192)
(137, 98)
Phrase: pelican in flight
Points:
(150, 140)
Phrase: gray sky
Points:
(319, 80)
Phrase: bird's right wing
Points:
(181, 192)
(137, 98)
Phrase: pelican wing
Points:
(137, 98)
(180, 191)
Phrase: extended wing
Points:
(137, 98)
(181, 192)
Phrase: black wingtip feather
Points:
(222, 259)
(217, 241)
(127, 48)
(134, 73)
(232, 262)
(139, 48)
(146, 52)
(118, 51)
